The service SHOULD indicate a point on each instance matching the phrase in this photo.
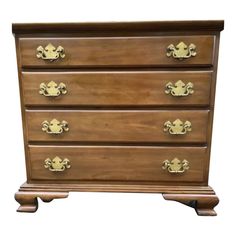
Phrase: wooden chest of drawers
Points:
(118, 107)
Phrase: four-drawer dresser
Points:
(118, 107)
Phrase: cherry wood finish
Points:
(140, 88)
(203, 204)
(126, 51)
(116, 186)
(29, 202)
(116, 74)
(201, 198)
(118, 163)
(87, 28)
(118, 126)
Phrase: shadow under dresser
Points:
(118, 107)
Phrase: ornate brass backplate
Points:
(181, 51)
(175, 166)
(52, 89)
(57, 164)
(50, 52)
(179, 89)
(177, 127)
(55, 126)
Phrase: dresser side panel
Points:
(24, 126)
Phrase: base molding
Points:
(201, 198)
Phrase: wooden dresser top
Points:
(148, 26)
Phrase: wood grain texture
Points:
(118, 163)
(118, 126)
(116, 88)
(96, 54)
(115, 52)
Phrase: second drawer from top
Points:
(151, 88)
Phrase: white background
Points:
(111, 214)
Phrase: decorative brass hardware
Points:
(179, 89)
(50, 52)
(177, 127)
(181, 51)
(55, 126)
(52, 89)
(57, 164)
(175, 166)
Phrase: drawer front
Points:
(116, 88)
(118, 126)
(116, 51)
(116, 163)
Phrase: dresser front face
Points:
(118, 106)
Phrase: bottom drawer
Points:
(116, 163)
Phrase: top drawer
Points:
(117, 51)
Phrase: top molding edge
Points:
(149, 26)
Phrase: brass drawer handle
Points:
(50, 52)
(181, 51)
(177, 127)
(55, 126)
(179, 89)
(57, 164)
(175, 166)
(52, 89)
